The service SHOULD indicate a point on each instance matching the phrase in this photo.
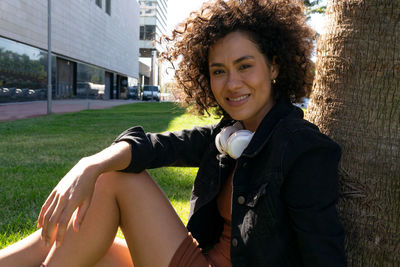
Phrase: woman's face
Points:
(240, 78)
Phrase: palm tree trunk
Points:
(356, 101)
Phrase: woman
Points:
(262, 197)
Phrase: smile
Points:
(237, 99)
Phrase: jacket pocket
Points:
(260, 219)
(254, 197)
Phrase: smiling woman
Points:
(267, 179)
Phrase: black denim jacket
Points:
(285, 188)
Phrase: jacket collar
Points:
(282, 108)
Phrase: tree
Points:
(356, 101)
(313, 6)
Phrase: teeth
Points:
(238, 98)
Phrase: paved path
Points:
(19, 110)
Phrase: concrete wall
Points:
(80, 30)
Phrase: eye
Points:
(244, 66)
(217, 72)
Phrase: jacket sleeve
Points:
(310, 191)
(182, 148)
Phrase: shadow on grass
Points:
(35, 153)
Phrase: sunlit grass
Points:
(35, 153)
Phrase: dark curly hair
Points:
(277, 27)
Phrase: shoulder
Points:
(300, 138)
(299, 132)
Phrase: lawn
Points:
(35, 153)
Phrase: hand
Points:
(73, 192)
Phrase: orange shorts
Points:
(189, 254)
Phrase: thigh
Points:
(117, 255)
(152, 229)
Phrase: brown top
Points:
(220, 253)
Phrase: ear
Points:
(274, 68)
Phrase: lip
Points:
(237, 100)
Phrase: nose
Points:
(233, 82)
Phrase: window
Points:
(108, 7)
(99, 3)
(147, 32)
(90, 81)
(141, 32)
(23, 72)
(150, 32)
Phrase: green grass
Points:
(35, 153)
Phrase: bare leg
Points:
(30, 251)
(152, 229)
(117, 255)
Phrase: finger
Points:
(44, 208)
(53, 219)
(47, 216)
(63, 223)
(80, 216)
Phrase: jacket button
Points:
(244, 164)
(241, 200)
(234, 242)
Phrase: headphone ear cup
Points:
(221, 140)
(218, 143)
(238, 142)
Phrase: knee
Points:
(112, 182)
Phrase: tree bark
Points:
(356, 101)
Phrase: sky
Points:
(178, 10)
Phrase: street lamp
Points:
(49, 87)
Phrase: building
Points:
(153, 24)
(95, 48)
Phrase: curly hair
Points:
(277, 27)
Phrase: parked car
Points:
(4, 92)
(91, 90)
(133, 92)
(151, 92)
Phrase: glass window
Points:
(149, 32)
(90, 81)
(141, 32)
(23, 72)
(108, 7)
(99, 3)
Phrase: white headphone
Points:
(233, 140)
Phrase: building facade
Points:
(153, 24)
(95, 48)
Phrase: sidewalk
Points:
(19, 110)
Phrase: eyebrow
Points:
(234, 62)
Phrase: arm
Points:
(183, 148)
(310, 191)
(133, 151)
(76, 188)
